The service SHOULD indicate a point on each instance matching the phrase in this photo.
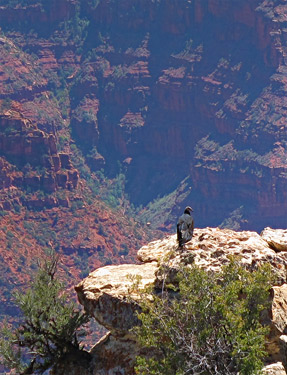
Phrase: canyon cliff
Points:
(198, 91)
(108, 294)
(172, 89)
(115, 115)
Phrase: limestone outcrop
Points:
(108, 294)
(274, 369)
(277, 239)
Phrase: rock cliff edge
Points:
(107, 293)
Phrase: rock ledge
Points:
(107, 294)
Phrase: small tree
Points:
(49, 329)
(210, 323)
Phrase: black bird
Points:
(185, 226)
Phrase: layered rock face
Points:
(207, 102)
(39, 164)
(106, 295)
(168, 88)
(109, 296)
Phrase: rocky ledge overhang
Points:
(108, 294)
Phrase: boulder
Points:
(274, 369)
(276, 238)
(108, 294)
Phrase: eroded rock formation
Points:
(39, 164)
(169, 89)
(208, 102)
(108, 295)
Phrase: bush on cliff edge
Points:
(209, 324)
(49, 329)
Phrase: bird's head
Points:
(188, 210)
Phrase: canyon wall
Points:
(115, 115)
(191, 74)
(168, 88)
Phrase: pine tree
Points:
(49, 330)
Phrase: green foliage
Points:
(94, 3)
(5, 104)
(119, 72)
(63, 140)
(235, 220)
(112, 190)
(116, 191)
(41, 232)
(160, 210)
(76, 205)
(124, 250)
(210, 324)
(74, 28)
(3, 213)
(79, 162)
(15, 3)
(50, 327)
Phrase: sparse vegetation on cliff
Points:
(49, 330)
(207, 324)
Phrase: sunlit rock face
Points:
(276, 239)
(274, 369)
(108, 294)
(105, 292)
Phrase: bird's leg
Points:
(181, 247)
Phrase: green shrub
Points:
(124, 250)
(49, 330)
(209, 324)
